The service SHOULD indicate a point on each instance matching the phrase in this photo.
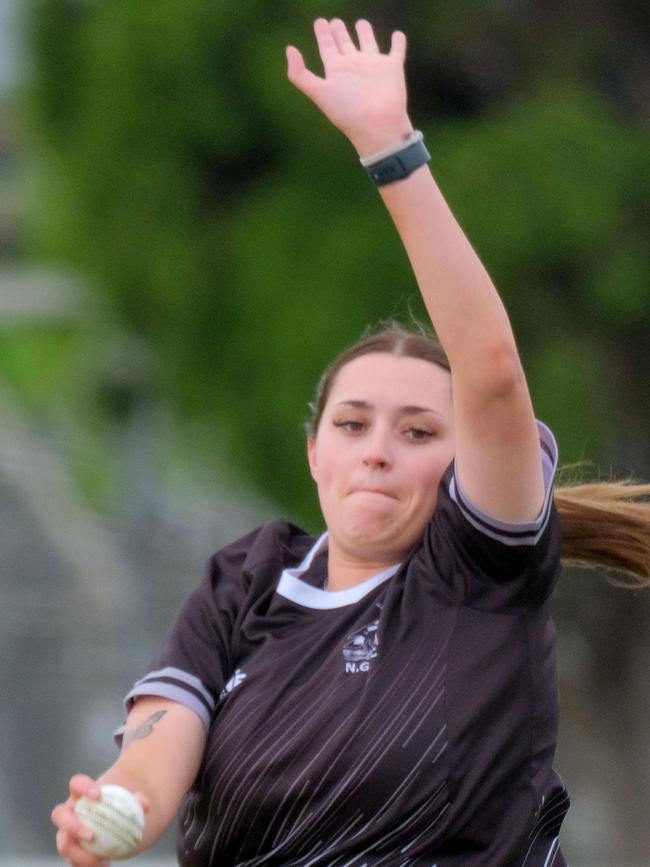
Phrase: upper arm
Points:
(491, 563)
(162, 749)
(498, 463)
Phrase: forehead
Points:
(380, 378)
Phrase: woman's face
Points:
(383, 443)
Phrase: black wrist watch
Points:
(399, 165)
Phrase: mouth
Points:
(378, 491)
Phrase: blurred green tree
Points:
(230, 231)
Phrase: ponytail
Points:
(607, 524)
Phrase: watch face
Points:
(399, 165)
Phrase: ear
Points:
(311, 457)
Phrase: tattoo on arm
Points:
(143, 730)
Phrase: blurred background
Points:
(185, 244)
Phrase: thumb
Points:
(299, 75)
(144, 801)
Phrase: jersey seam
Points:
(532, 723)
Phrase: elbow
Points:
(499, 373)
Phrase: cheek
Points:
(425, 477)
(327, 464)
(432, 460)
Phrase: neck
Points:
(344, 571)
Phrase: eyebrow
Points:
(409, 409)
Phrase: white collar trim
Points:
(292, 587)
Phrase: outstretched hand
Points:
(363, 92)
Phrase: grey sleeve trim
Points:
(174, 684)
(513, 533)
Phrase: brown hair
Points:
(603, 523)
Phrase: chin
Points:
(373, 538)
(371, 521)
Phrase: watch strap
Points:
(399, 165)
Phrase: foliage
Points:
(228, 229)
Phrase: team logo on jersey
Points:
(360, 647)
(234, 681)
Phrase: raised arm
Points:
(363, 93)
(161, 753)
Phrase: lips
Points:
(379, 491)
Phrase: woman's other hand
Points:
(71, 832)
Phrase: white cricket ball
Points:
(116, 820)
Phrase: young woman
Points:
(385, 694)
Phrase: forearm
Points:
(161, 752)
(463, 304)
(157, 817)
(465, 309)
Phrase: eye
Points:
(419, 434)
(351, 425)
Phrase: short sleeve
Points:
(489, 563)
(194, 659)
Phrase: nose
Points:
(376, 453)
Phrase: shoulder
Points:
(458, 508)
(487, 562)
(275, 544)
(509, 533)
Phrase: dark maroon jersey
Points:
(410, 720)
